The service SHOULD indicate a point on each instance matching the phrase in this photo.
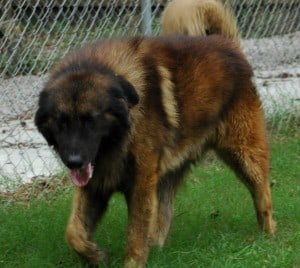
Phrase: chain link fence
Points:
(36, 34)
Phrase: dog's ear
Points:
(129, 91)
(42, 118)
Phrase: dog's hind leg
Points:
(165, 213)
(242, 144)
(88, 207)
(166, 192)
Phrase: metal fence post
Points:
(146, 16)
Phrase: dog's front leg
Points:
(88, 207)
(142, 206)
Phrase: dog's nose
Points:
(74, 161)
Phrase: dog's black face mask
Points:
(83, 115)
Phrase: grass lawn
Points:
(214, 224)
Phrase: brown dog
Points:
(199, 18)
(141, 111)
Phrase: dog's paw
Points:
(271, 227)
(95, 257)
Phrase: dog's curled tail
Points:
(199, 18)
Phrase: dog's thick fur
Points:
(199, 18)
(142, 110)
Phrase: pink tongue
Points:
(80, 177)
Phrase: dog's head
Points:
(83, 115)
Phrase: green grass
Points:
(214, 222)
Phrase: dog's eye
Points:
(116, 93)
(89, 119)
(63, 121)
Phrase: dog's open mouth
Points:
(80, 177)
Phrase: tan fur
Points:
(199, 18)
(168, 97)
(196, 94)
(82, 243)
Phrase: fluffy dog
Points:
(140, 111)
(199, 18)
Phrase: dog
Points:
(132, 115)
(199, 18)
